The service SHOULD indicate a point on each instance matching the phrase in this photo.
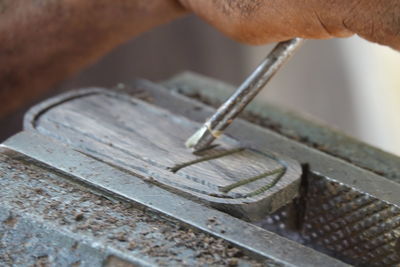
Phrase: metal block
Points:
(149, 142)
(348, 207)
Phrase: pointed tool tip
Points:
(193, 141)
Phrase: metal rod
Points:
(228, 111)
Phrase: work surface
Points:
(342, 210)
(149, 142)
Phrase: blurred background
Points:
(349, 84)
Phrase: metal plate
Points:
(149, 142)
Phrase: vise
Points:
(98, 178)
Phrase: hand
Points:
(43, 42)
(264, 21)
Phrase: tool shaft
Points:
(229, 110)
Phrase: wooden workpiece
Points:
(148, 142)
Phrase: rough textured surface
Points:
(342, 222)
(109, 180)
(49, 221)
(354, 225)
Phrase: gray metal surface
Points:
(351, 224)
(48, 220)
(114, 181)
(342, 222)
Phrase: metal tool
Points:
(228, 111)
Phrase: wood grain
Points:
(148, 141)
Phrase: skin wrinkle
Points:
(322, 24)
(331, 27)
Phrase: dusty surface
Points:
(28, 190)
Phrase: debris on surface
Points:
(121, 225)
